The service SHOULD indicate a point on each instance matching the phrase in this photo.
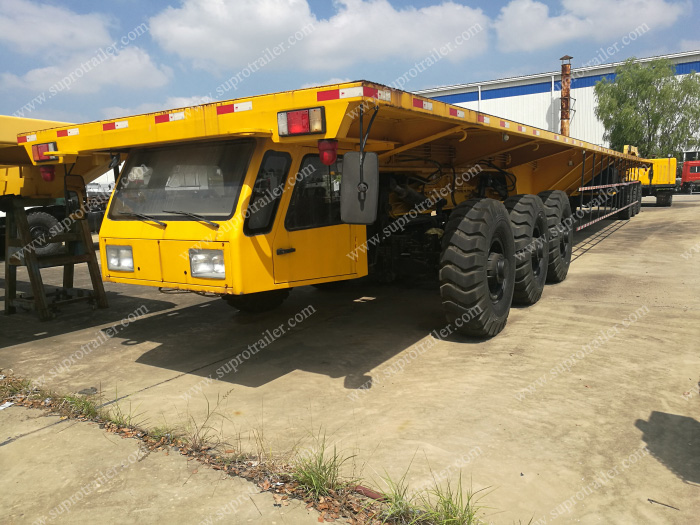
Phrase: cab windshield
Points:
(203, 179)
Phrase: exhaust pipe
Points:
(565, 94)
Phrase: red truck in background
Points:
(690, 177)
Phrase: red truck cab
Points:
(690, 178)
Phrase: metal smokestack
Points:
(565, 94)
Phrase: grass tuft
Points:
(78, 406)
(11, 386)
(168, 433)
(124, 417)
(318, 470)
(451, 505)
(399, 505)
(202, 435)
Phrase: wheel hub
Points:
(497, 268)
(538, 253)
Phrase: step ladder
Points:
(19, 251)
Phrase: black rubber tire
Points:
(638, 206)
(664, 199)
(626, 214)
(257, 302)
(477, 267)
(633, 208)
(41, 225)
(528, 219)
(561, 226)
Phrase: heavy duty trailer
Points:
(658, 180)
(19, 178)
(41, 209)
(250, 198)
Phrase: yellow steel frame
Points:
(405, 123)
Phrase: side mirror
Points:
(359, 198)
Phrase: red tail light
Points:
(48, 173)
(328, 151)
(301, 122)
(40, 152)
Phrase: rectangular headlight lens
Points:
(120, 258)
(208, 264)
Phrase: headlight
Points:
(120, 258)
(208, 264)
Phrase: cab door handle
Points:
(284, 251)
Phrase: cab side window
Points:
(267, 191)
(315, 201)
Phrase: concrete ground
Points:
(63, 471)
(585, 409)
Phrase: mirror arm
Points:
(362, 187)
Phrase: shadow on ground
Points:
(345, 334)
(24, 326)
(675, 442)
(352, 330)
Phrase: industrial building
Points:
(536, 99)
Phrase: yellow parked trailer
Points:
(252, 197)
(41, 209)
(43, 188)
(658, 180)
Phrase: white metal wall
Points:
(533, 110)
(584, 124)
(542, 109)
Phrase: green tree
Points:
(649, 107)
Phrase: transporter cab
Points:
(252, 197)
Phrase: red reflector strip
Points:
(331, 94)
(68, 132)
(505, 124)
(535, 131)
(522, 129)
(234, 108)
(109, 126)
(484, 119)
(422, 104)
(556, 137)
(371, 92)
(603, 217)
(358, 91)
(602, 187)
(456, 113)
(170, 117)
(26, 138)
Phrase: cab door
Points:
(312, 242)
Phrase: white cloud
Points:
(34, 28)
(151, 107)
(75, 53)
(210, 34)
(526, 25)
(131, 68)
(689, 45)
(334, 80)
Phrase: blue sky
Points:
(56, 59)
